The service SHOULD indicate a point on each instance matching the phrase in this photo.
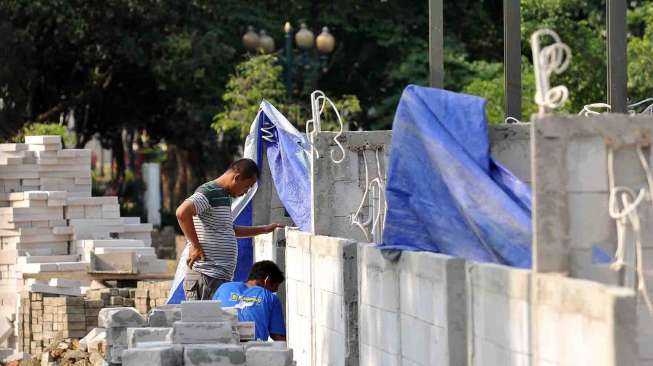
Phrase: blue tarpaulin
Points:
(444, 192)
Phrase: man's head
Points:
(240, 177)
(266, 274)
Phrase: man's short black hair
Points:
(245, 167)
(261, 270)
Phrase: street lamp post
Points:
(305, 41)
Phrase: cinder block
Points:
(380, 328)
(165, 316)
(116, 336)
(155, 356)
(151, 264)
(215, 355)
(379, 284)
(586, 164)
(205, 332)
(204, 311)
(136, 336)
(269, 356)
(43, 140)
(120, 317)
(120, 262)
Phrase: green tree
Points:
(38, 129)
(254, 80)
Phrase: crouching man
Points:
(256, 300)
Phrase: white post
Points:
(152, 178)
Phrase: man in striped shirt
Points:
(205, 218)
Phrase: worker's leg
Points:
(198, 286)
(208, 286)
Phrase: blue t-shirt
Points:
(254, 304)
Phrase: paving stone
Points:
(120, 317)
(136, 336)
(214, 355)
(204, 332)
(155, 356)
(269, 356)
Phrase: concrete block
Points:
(589, 221)
(43, 140)
(379, 283)
(164, 316)
(205, 332)
(36, 287)
(120, 317)
(151, 264)
(136, 336)
(269, 356)
(215, 355)
(423, 343)
(587, 164)
(119, 262)
(277, 344)
(379, 329)
(13, 147)
(155, 356)
(116, 336)
(204, 311)
(378, 357)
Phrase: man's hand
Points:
(194, 254)
(270, 228)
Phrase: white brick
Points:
(136, 336)
(204, 332)
(270, 356)
(204, 311)
(586, 164)
(154, 356)
(13, 147)
(44, 139)
(37, 287)
(151, 264)
(120, 317)
(214, 355)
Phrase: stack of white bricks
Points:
(50, 223)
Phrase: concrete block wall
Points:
(511, 146)
(413, 310)
(322, 298)
(571, 196)
(272, 247)
(580, 322)
(338, 189)
(499, 306)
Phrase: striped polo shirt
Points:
(215, 231)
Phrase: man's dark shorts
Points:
(198, 286)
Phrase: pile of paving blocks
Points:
(192, 334)
(45, 317)
(150, 294)
(50, 224)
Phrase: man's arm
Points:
(249, 231)
(185, 213)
